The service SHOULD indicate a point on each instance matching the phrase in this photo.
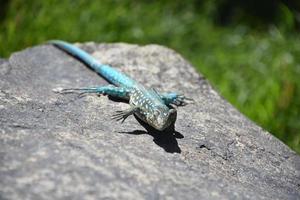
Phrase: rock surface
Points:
(56, 146)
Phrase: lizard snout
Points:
(164, 120)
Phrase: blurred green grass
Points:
(258, 71)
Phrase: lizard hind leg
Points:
(110, 90)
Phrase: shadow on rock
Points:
(166, 139)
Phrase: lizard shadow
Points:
(116, 99)
(166, 139)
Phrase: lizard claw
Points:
(181, 100)
(120, 115)
(67, 90)
(58, 90)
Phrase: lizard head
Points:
(161, 118)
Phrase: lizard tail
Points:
(78, 53)
(110, 74)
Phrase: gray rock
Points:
(66, 146)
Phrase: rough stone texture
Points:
(66, 147)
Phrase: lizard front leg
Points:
(123, 114)
(113, 91)
(173, 98)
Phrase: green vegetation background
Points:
(253, 60)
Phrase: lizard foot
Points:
(123, 114)
(182, 100)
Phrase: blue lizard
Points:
(156, 109)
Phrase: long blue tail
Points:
(110, 74)
(78, 53)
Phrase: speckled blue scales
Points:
(150, 106)
(114, 76)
